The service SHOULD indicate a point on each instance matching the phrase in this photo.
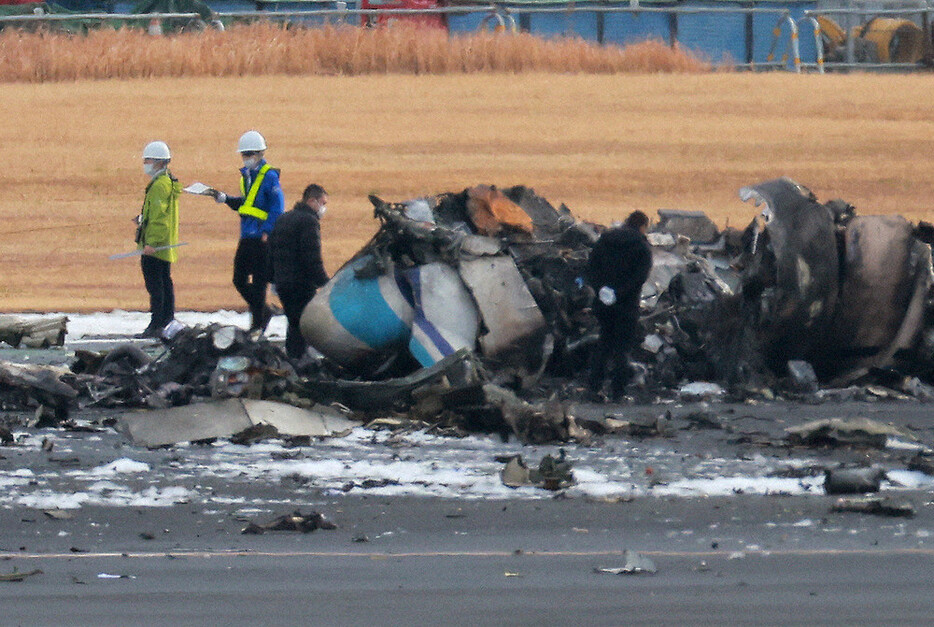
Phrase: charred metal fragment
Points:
(846, 293)
(461, 368)
(853, 480)
(879, 506)
(887, 278)
(695, 225)
(790, 278)
(31, 386)
(42, 333)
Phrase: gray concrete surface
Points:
(744, 560)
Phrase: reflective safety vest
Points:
(247, 208)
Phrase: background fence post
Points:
(672, 29)
(850, 43)
(750, 37)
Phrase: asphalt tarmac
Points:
(409, 560)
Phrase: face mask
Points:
(321, 210)
(250, 162)
(150, 169)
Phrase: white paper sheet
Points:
(198, 188)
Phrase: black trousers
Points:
(619, 332)
(293, 299)
(251, 277)
(158, 278)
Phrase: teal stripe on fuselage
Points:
(420, 353)
(359, 307)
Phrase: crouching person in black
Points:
(619, 264)
(297, 267)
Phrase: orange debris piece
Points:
(490, 211)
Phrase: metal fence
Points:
(853, 17)
(738, 34)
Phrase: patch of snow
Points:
(902, 445)
(157, 497)
(45, 499)
(124, 465)
(228, 500)
(120, 322)
(105, 493)
(701, 389)
(6, 482)
(910, 479)
(726, 486)
(593, 484)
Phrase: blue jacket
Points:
(269, 199)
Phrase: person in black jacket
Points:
(297, 267)
(619, 264)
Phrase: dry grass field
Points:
(602, 144)
(263, 48)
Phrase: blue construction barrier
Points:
(627, 28)
(719, 37)
(582, 25)
(715, 37)
(466, 22)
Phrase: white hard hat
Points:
(156, 150)
(251, 141)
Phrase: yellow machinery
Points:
(881, 40)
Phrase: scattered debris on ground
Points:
(296, 521)
(923, 461)
(16, 577)
(636, 564)
(553, 473)
(853, 480)
(42, 333)
(879, 506)
(846, 432)
(242, 420)
(58, 514)
(111, 576)
(39, 388)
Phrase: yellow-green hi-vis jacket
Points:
(159, 226)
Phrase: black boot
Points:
(150, 332)
(259, 323)
(622, 375)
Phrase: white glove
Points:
(221, 197)
(606, 295)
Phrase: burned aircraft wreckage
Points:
(847, 293)
(467, 310)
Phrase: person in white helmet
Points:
(259, 205)
(157, 236)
